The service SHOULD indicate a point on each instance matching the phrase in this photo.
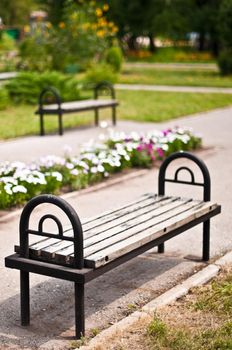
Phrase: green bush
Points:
(225, 62)
(4, 98)
(114, 58)
(34, 55)
(27, 86)
(101, 72)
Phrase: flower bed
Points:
(20, 182)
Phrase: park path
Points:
(140, 280)
(180, 66)
(198, 89)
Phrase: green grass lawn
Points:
(149, 106)
(193, 77)
(141, 106)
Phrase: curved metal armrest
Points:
(77, 238)
(206, 184)
(106, 86)
(54, 92)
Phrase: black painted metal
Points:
(25, 298)
(71, 214)
(55, 93)
(206, 184)
(108, 89)
(206, 177)
(79, 309)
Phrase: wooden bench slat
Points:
(79, 105)
(107, 215)
(150, 234)
(112, 214)
(94, 237)
(121, 232)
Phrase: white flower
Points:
(100, 168)
(57, 175)
(93, 170)
(7, 188)
(20, 189)
(74, 172)
(69, 166)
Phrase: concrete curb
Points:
(110, 182)
(200, 278)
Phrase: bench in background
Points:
(59, 108)
(86, 250)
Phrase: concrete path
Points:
(109, 297)
(198, 89)
(7, 75)
(181, 66)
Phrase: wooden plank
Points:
(112, 214)
(143, 237)
(85, 104)
(47, 242)
(98, 234)
(122, 232)
(36, 248)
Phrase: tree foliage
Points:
(14, 13)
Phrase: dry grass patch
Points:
(200, 321)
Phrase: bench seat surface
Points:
(117, 232)
(79, 105)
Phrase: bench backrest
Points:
(206, 184)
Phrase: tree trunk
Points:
(201, 41)
(132, 42)
(152, 46)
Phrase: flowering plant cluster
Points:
(96, 161)
(83, 34)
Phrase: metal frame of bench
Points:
(77, 272)
(103, 86)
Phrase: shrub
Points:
(4, 98)
(27, 86)
(101, 72)
(114, 58)
(225, 62)
(34, 55)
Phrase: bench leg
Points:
(60, 124)
(161, 248)
(96, 117)
(41, 125)
(206, 240)
(79, 310)
(114, 115)
(25, 298)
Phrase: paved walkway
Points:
(139, 87)
(136, 282)
(181, 66)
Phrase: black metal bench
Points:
(84, 251)
(59, 108)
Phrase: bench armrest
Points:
(77, 237)
(49, 90)
(206, 184)
(105, 88)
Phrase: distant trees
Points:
(174, 19)
(14, 13)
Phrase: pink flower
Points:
(160, 152)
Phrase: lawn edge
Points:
(147, 312)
